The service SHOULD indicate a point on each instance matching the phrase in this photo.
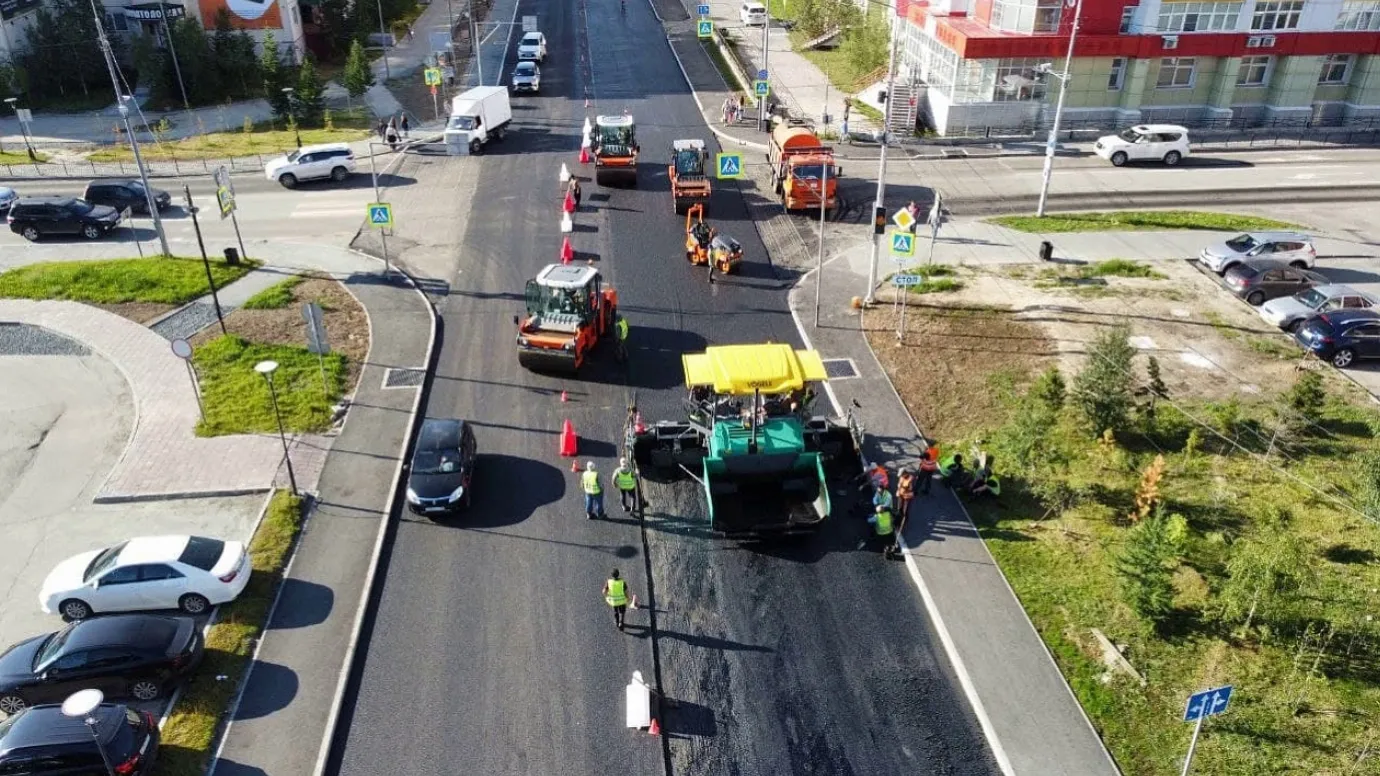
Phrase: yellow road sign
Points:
(432, 76)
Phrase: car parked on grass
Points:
(1292, 248)
(1166, 143)
(191, 573)
(1260, 280)
(125, 194)
(1341, 337)
(42, 741)
(36, 217)
(137, 656)
(527, 77)
(317, 162)
(1287, 312)
(532, 47)
(440, 476)
(7, 198)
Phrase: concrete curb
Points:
(135, 498)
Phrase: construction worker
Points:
(881, 497)
(881, 524)
(616, 595)
(905, 494)
(626, 483)
(951, 469)
(991, 486)
(574, 190)
(594, 492)
(620, 326)
(929, 467)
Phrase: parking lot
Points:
(66, 417)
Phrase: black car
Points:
(42, 741)
(125, 194)
(442, 465)
(1341, 337)
(35, 217)
(128, 655)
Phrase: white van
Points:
(753, 14)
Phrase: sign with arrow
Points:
(702, 9)
(1208, 703)
(729, 165)
(380, 215)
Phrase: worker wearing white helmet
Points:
(594, 492)
(626, 482)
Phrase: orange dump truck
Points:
(799, 162)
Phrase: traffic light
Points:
(879, 220)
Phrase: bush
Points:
(1102, 390)
(1147, 562)
(1307, 396)
(1049, 390)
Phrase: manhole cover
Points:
(840, 368)
(404, 378)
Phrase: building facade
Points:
(283, 18)
(1175, 61)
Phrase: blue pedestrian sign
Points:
(760, 88)
(907, 280)
(380, 215)
(1207, 703)
(702, 10)
(705, 29)
(762, 74)
(729, 165)
(902, 244)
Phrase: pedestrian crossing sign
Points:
(902, 244)
(380, 215)
(705, 29)
(729, 165)
(432, 76)
(760, 88)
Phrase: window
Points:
(121, 576)
(1277, 15)
(1336, 69)
(1255, 71)
(1016, 80)
(1117, 76)
(1359, 15)
(1198, 17)
(1128, 18)
(1176, 73)
(156, 572)
(1026, 15)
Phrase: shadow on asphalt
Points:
(227, 767)
(302, 604)
(1349, 275)
(279, 686)
(1200, 162)
(687, 720)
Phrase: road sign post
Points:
(704, 29)
(902, 247)
(381, 218)
(729, 166)
(225, 197)
(183, 350)
(761, 88)
(1201, 705)
(128, 215)
(903, 283)
(316, 340)
(702, 9)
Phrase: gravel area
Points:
(21, 339)
(188, 321)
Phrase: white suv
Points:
(532, 47)
(331, 160)
(753, 14)
(1148, 142)
(1290, 248)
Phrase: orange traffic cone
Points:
(567, 251)
(564, 398)
(569, 204)
(584, 154)
(655, 729)
(569, 442)
(575, 467)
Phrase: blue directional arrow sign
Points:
(907, 280)
(705, 28)
(760, 88)
(702, 10)
(729, 165)
(380, 215)
(1207, 703)
(902, 244)
(762, 74)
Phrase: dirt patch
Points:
(139, 312)
(347, 325)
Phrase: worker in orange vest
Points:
(929, 467)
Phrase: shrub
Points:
(1102, 390)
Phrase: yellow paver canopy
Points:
(742, 369)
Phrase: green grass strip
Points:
(237, 398)
(1139, 221)
(276, 296)
(161, 280)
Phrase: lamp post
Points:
(880, 201)
(267, 368)
(23, 127)
(383, 38)
(82, 705)
(1058, 107)
(292, 114)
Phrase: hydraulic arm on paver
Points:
(569, 311)
(751, 441)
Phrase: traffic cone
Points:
(575, 467)
(565, 173)
(569, 442)
(567, 225)
(567, 252)
(588, 126)
(655, 729)
(584, 154)
(569, 204)
(564, 398)
(633, 605)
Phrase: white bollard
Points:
(639, 698)
(567, 225)
(588, 126)
(565, 173)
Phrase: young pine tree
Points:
(358, 76)
(1102, 390)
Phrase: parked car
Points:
(191, 573)
(1341, 337)
(137, 656)
(42, 741)
(532, 47)
(753, 14)
(7, 198)
(1166, 143)
(1291, 248)
(332, 160)
(1288, 312)
(527, 77)
(35, 217)
(440, 477)
(1260, 280)
(125, 194)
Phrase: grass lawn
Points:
(938, 279)
(264, 140)
(10, 156)
(164, 280)
(190, 732)
(237, 398)
(275, 296)
(1139, 221)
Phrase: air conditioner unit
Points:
(1253, 42)
(1170, 42)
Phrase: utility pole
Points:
(868, 298)
(384, 38)
(762, 124)
(1059, 109)
(129, 130)
(177, 68)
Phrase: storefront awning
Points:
(154, 12)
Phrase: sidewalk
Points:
(964, 241)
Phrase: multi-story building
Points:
(1180, 61)
(281, 17)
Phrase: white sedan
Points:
(191, 573)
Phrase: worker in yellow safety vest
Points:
(594, 492)
(881, 523)
(626, 483)
(621, 330)
(616, 595)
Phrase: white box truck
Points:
(476, 117)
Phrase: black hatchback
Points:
(35, 217)
(125, 194)
(139, 656)
(42, 741)
(442, 467)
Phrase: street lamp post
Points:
(1058, 108)
(292, 114)
(82, 705)
(172, 49)
(383, 38)
(881, 164)
(267, 368)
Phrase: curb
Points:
(135, 498)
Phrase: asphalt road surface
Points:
(492, 650)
